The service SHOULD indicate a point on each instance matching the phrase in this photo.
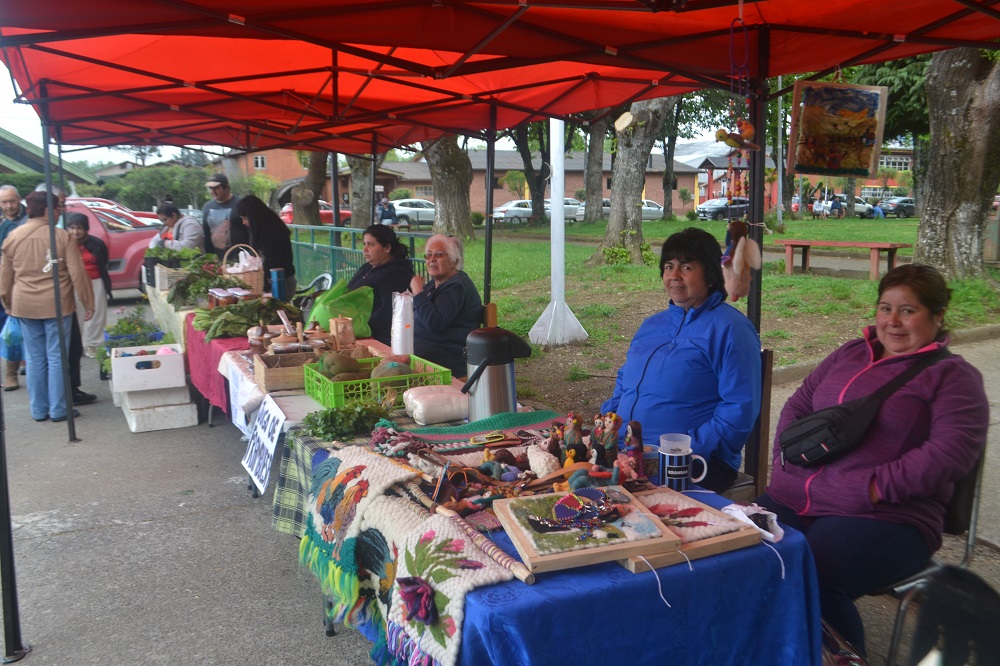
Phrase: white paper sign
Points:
(240, 418)
(264, 437)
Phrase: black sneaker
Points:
(83, 398)
(60, 419)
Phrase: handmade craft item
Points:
(742, 254)
(563, 530)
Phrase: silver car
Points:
(650, 210)
(517, 211)
(414, 212)
(570, 208)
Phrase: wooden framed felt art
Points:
(836, 129)
(586, 526)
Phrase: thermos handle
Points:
(475, 375)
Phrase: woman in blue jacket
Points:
(693, 368)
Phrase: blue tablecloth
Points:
(734, 608)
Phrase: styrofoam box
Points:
(116, 397)
(167, 370)
(161, 418)
(178, 395)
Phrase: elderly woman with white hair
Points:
(445, 309)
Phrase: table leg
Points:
(873, 265)
(789, 259)
(328, 624)
(805, 258)
(890, 255)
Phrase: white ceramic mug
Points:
(676, 459)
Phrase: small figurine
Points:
(736, 140)
(572, 431)
(570, 458)
(597, 433)
(633, 446)
(742, 254)
(612, 422)
(554, 442)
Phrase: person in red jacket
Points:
(876, 515)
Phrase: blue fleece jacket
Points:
(693, 371)
(443, 317)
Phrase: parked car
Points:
(125, 235)
(570, 208)
(414, 212)
(108, 204)
(796, 203)
(898, 206)
(651, 210)
(325, 214)
(862, 208)
(605, 209)
(517, 211)
(720, 209)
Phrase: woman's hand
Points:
(416, 284)
(88, 315)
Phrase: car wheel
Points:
(515, 220)
(900, 214)
(346, 222)
(403, 220)
(719, 216)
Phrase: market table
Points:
(203, 363)
(747, 606)
(169, 319)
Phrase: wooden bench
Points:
(875, 248)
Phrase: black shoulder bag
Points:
(826, 435)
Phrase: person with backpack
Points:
(387, 212)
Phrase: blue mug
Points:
(675, 461)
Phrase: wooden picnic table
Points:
(876, 249)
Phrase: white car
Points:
(414, 212)
(570, 208)
(862, 208)
(517, 211)
(650, 210)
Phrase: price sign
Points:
(264, 435)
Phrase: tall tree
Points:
(362, 188)
(594, 171)
(140, 154)
(451, 175)
(526, 137)
(963, 99)
(305, 196)
(628, 177)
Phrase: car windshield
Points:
(716, 202)
(114, 221)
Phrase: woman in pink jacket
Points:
(876, 515)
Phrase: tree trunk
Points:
(669, 147)
(849, 190)
(305, 197)
(362, 189)
(963, 165)
(534, 179)
(628, 177)
(594, 175)
(451, 175)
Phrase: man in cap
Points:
(222, 228)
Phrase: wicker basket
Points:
(254, 279)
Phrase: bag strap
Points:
(902, 378)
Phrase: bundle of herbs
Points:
(200, 278)
(356, 417)
(174, 258)
(230, 321)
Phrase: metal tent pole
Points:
(491, 151)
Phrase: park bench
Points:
(875, 248)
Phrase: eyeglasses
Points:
(435, 255)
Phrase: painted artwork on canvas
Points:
(836, 129)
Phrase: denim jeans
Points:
(854, 557)
(46, 389)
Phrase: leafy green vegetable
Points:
(356, 417)
(231, 321)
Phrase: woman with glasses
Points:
(386, 270)
(445, 309)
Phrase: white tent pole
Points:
(557, 325)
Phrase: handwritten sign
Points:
(264, 435)
(240, 418)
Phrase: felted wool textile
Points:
(439, 561)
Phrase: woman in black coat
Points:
(386, 270)
(271, 238)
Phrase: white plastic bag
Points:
(429, 408)
(402, 323)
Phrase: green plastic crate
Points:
(336, 394)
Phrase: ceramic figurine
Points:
(633, 446)
(612, 422)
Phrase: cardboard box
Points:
(161, 418)
(147, 372)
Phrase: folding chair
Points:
(961, 516)
(751, 482)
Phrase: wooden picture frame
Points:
(836, 129)
(723, 543)
(511, 512)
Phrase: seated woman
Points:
(446, 309)
(271, 238)
(387, 271)
(875, 516)
(695, 367)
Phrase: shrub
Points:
(691, 215)
(580, 194)
(400, 193)
(477, 218)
